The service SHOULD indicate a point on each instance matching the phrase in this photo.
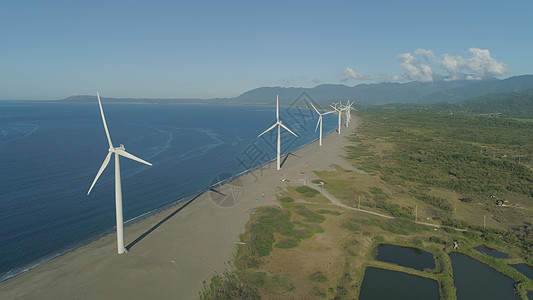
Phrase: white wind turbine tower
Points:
(118, 151)
(320, 122)
(339, 111)
(279, 124)
(348, 108)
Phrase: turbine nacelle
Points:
(121, 147)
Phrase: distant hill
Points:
(480, 88)
(385, 93)
(510, 105)
(363, 94)
(515, 104)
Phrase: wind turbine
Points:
(348, 108)
(320, 122)
(118, 151)
(279, 124)
(339, 111)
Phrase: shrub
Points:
(319, 181)
(287, 243)
(317, 292)
(351, 226)
(325, 211)
(246, 262)
(258, 279)
(228, 286)
(401, 226)
(286, 200)
(436, 201)
(307, 191)
(318, 277)
(310, 216)
(437, 240)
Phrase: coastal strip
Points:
(172, 252)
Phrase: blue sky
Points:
(178, 49)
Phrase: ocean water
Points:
(51, 152)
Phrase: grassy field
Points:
(443, 170)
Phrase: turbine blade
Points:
(277, 108)
(103, 119)
(314, 108)
(269, 128)
(318, 123)
(329, 112)
(287, 128)
(102, 168)
(130, 156)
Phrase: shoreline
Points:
(174, 249)
(176, 203)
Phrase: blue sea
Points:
(50, 153)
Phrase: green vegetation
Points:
(435, 201)
(271, 220)
(393, 209)
(310, 216)
(318, 277)
(229, 286)
(402, 226)
(318, 181)
(516, 104)
(325, 211)
(351, 226)
(450, 167)
(307, 191)
(287, 243)
(286, 200)
(475, 155)
(261, 237)
(241, 281)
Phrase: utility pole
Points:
(416, 212)
(359, 205)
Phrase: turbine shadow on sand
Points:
(142, 236)
(287, 156)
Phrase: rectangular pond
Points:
(476, 280)
(491, 252)
(386, 284)
(405, 256)
(525, 269)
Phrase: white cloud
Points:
(454, 65)
(428, 54)
(349, 73)
(480, 65)
(416, 70)
(470, 77)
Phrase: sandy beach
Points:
(173, 252)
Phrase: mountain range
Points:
(513, 105)
(363, 94)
